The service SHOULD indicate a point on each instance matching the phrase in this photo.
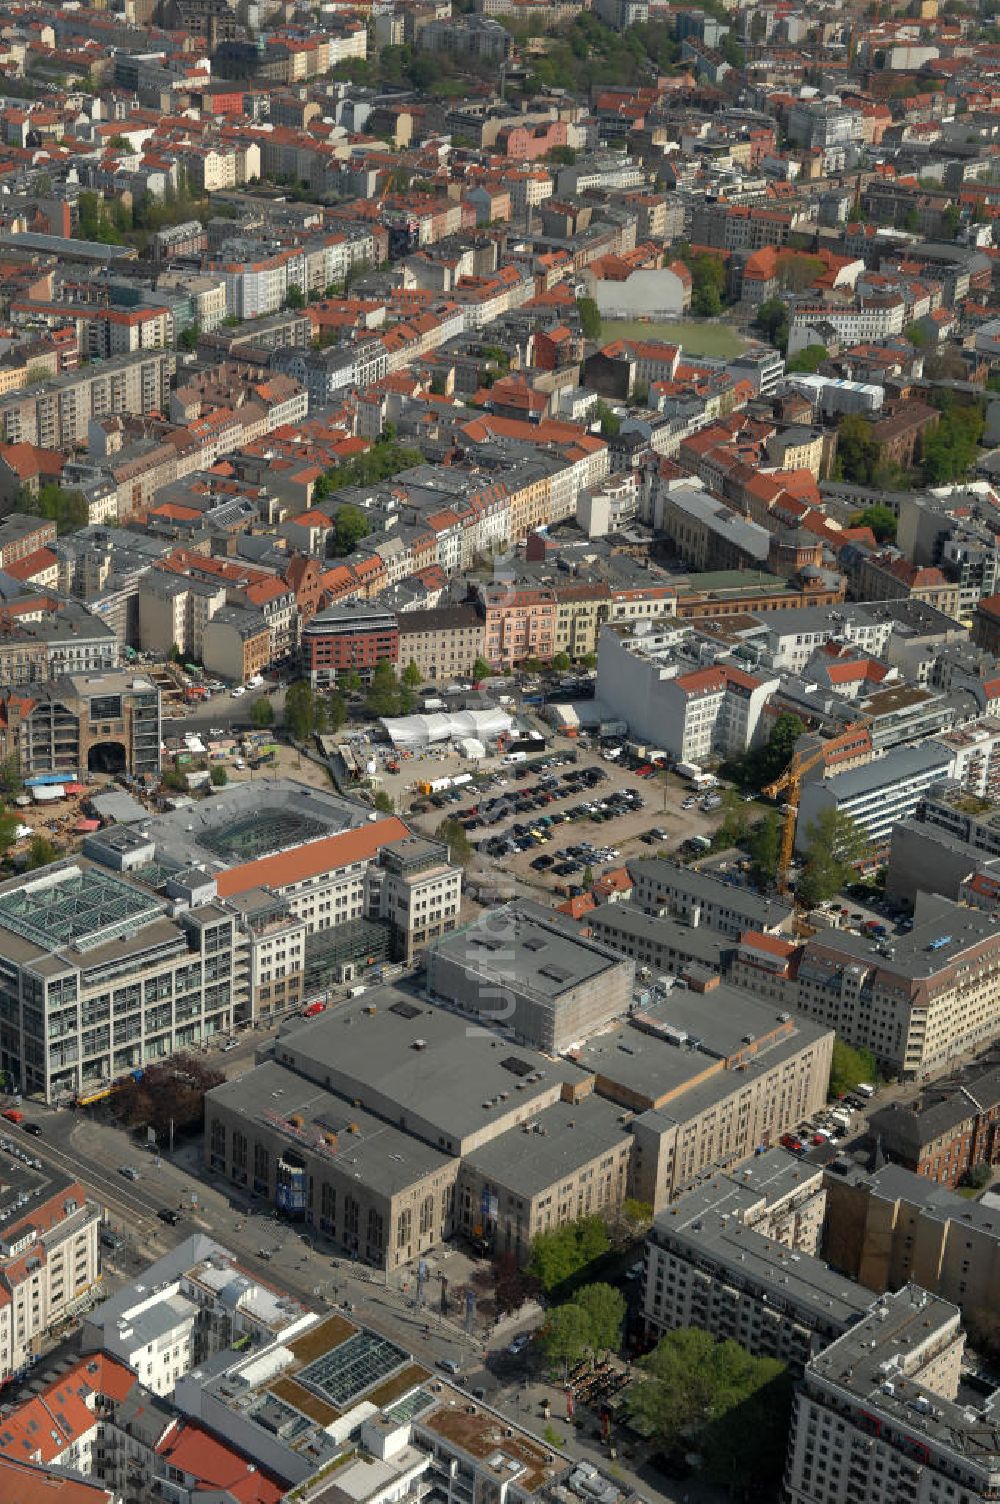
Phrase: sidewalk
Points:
(580, 1438)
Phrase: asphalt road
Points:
(223, 710)
(303, 1263)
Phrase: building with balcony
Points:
(195, 1302)
(737, 1256)
(878, 1418)
(48, 1258)
(97, 979)
(419, 892)
(108, 723)
(353, 636)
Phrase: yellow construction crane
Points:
(789, 783)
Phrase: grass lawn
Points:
(695, 337)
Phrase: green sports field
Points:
(696, 338)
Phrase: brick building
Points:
(353, 635)
(947, 1134)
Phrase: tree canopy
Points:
(708, 279)
(566, 1334)
(772, 321)
(41, 852)
(561, 1253)
(857, 450)
(764, 847)
(948, 451)
(587, 52)
(849, 1067)
(834, 845)
(67, 508)
(262, 712)
(171, 1092)
(808, 360)
(452, 831)
(300, 710)
(590, 1322)
(590, 318)
(383, 460)
(761, 765)
(386, 695)
(716, 1399)
(880, 518)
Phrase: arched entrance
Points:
(107, 757)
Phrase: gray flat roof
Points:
(760, 913)
(707, 1221)
(894, 1183)
(676, 1074)
(170, 1267)
(719, 1020)
(564, 1137)
(118, 806)
(529, 946)
(942, 931)
(900, 762)
(383, 1157)
(270, 812)
(699, 942)
(902, 1332)
(423, 1059)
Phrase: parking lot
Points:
(548, 820)
(840, 1123)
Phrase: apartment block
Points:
(59, 637)
(659, 943)
(353, 636)
(738, 1257)
(444, 641)
(889, 1226)
(56, 415)
(703, 900)
(916, 1000)
(419, 893)
(194, 1302)
(647, 679)
(879, 794)
(878, 1418)
(955, 1128)
(174, 610)
(48, 1259)
(22, 535)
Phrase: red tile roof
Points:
(312, 859)
(216, 1466)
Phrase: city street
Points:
(304, 1264)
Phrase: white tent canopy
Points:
(423, 730)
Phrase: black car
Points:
(33, 1129)
(168, 1215)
